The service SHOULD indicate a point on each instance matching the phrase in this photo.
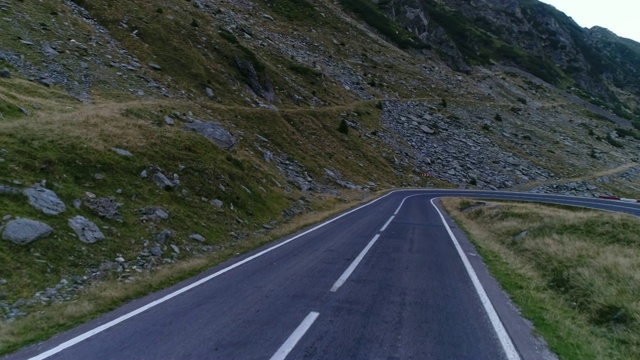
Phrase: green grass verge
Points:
(574, 275)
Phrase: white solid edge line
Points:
(387, 224)
(101, 328)
(297, 334)
(501, 332)
(345, 275)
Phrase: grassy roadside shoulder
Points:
(574, 273)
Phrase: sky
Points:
(619, 16)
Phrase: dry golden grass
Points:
(575, 274)
(98, 126)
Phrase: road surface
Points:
(393, 279)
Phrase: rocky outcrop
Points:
(531, 35)
(45, 200)
(25, 231)
(257, 81)
(214, 131)
(456, 152)
(87, 231)
(107, 208)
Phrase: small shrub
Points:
(227, 35)
(375, 17)
(344, 127)
(9, 110)
(627, 132)
(305, 71)
(498, 117)
(236, 162)
(522, 100)
(194, 23)
(613, 142)
(443, 103)
(486, 127)
(465, 204)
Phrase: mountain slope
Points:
(239, 121)
(530, 35)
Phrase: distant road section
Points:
(393, 279)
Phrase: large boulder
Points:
(87, 231)
(45, 200)
(25, 231)
(213, 131)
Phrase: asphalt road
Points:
(388, 280)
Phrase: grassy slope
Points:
(575, 274)
(67, 143)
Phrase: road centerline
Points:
(345, 275)
(387, 224)
(297, 334)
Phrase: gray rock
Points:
(260, 85)
(169, 120)
(87, 231)
(175, 249)
(6, 217)
(153, 214)
(156, 251)
(197, 237)
(122, 152)
(521, 236)
(105, 208)
(48, 50)
(5, 73)
(162, 181)
(210, 93)
(25, 231)
(45, 200)
(155, 66)
(217, 203)
(163, 236)
(48, 82)
(213, 131)
(426, 129)
(144, 174)
(268, 17)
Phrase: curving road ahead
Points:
(393, 279)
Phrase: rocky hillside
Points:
(533, 36)
(137, 136)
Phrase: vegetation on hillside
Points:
(374, 17)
